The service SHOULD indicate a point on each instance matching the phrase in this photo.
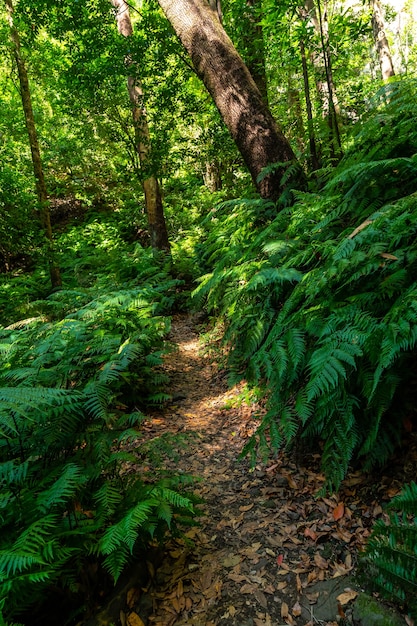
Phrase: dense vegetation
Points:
(314, 294)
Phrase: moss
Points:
(369, 612)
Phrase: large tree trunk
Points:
(233, 90)
(34, 146)
(381, 42)
(153, 198)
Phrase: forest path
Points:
(266, 551)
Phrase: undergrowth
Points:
(390, 562)
(319, 303)
(76, 374)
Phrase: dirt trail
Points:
(267, 551)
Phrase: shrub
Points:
(319, 304)
(72, 387)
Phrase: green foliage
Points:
(319, 304)
(390, 558)
(75, 377)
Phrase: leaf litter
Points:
(264, 540)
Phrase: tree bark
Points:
(34, 146)
(381, 42)
(239, 101)
(153, 198)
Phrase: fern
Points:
(318, 305)
(390, 558)
(72, 386)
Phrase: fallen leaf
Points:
(280, 559)
(133, 619)
(261, 598)
(320, 561)
(339, 511)
(232, 560)
(313, 597)
(132, 597)
(284, 610)
(248, 507)
(309, 532)
(296, 609)
(347, 596)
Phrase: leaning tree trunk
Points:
(233, 90)
(381, 42)
(153, 198)
(34, 146)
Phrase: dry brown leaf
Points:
(320, 561)
(248, 588)
(132, 597)
(298, 582)
(248, 507)
(237, 578)
(312, 597)
(359, 228)
(133, 619)
(343, 534)
(296, 609)
(284, 610)
(261, 598)
(232, 610)
(348, 561)
(180, 589)
(347, 596)
(339, 511)
(339, 570)
(309, 532)
(232, 560)
(281, 585)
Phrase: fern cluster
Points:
(75, 377)
(390, 559)
(320, 304)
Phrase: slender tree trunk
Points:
(153, 198)
(325, 84)
(255, 42)
(381, 42)
(34, 146)
(335, 143)
(315, 162)
(233, 90)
